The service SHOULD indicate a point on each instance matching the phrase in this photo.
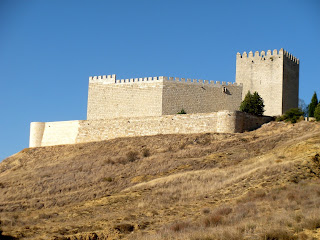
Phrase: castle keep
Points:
(274, 75)
(149, 106)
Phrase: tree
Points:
(317, 112)
(253, 104)
(303, 106)
(313, 104)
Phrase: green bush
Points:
(317, 112)
(293, 115)
(182, 111)
(253, 104)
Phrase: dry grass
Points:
(255, 185)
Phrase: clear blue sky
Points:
(48, 49)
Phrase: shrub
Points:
(107, 179)
(124, 228)
(132, 156)
(253, 104)
(317, 112)
(177, 227)
(146, 152)
(182, 111)
(278, 234)
(213, 220)
(293, 115)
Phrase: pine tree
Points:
(253, 104)
(313, 104)
(317, 112)
(258, 105)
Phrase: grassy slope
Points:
(254, 185)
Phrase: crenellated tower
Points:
(274, 75)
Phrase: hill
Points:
(262, 184)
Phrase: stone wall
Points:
(270, 74)
(199, 97)
(71, 132)
(53, 133)
(155, 96)
(123, 99)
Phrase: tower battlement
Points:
(263, 55)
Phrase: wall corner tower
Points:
(274, 75)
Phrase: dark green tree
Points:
(317, 112)
(313, 104)
(253, 104)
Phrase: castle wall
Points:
(262, 72)
(53, 133)
(156, 96)
(199, 96)
(111, 98)
(71, 132)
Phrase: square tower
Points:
(274, 75)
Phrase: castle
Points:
(149, 106)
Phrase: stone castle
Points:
(149, 106)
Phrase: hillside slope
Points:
(255, 185)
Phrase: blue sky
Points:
(48, 49)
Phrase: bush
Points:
(292, 115)
(317, 112)
(132, 156)
(253, 104)
(146, 152)
(278, 234)
(182, 111)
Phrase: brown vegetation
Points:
(255, 185)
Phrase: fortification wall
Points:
(53, 133)
(111, 98)
(71, 132)
(199, 96)
(156, 96)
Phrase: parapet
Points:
(269, 53)
(111, 79)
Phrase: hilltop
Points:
(262, 184)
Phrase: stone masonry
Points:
(274, 75)
(157, 96)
